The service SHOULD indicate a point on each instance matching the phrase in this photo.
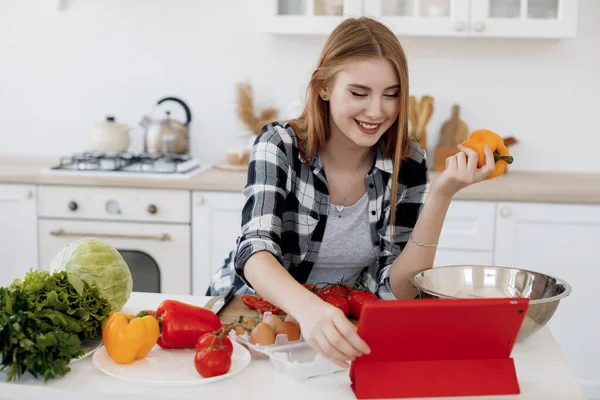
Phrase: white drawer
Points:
(469, 225)
(118, 204)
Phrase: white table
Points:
(542, 371)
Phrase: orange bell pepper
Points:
(128, 338)
(478, 139)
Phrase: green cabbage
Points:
(96, 263)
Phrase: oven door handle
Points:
(61, 232)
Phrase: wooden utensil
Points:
(510, 140)
(454, 131)
(425, 110)
(413, 115)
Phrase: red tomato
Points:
(260, 304)
(340, 289)
(250, 300)
(357, 299)
(339, 301)
(263, 306)
(212, 362)
(212, 339)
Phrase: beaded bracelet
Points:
(423, 244)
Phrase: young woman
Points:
(340, 193)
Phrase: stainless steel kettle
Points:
(167, 135)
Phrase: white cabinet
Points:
(422, 17)
(18, 231)
(216, 224)
(561, 240)
(473, 18)
(307, 16)
(467, 236)
(524, 18)
(478, 18)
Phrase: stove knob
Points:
(112, 207)
(479, 27)
(152, 209)
(73, 206)
(459, 26)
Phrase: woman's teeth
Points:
(368, 126)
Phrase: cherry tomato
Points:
(357, 299)
(340, 289)
(215, 340)
(211, 362)
(339, 301)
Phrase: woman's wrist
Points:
(303, 304)
(438, 197)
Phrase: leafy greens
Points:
(43, 321)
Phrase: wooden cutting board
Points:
(454, 131)
(234, 309)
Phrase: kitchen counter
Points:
(548, 187)
(541, 368)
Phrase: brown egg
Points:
(273, 321)
(263, 334)
(290, 329)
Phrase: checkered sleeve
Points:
(266, 190)
(413, 183)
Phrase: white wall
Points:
(62, 71)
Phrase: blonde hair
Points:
(352, 40)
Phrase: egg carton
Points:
(258, 351)
(297, 358)
(301, 361)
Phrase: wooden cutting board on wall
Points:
(454, 131)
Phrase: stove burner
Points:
(129, 162)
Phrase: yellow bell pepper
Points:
(128, 338)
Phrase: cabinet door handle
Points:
(505, 212)
(200, 201)
(61, 232)
(459, 26)
(28, 194)
(479, 27)
(73, 206)
(152, 209)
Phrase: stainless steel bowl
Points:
(479, 281)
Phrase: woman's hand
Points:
(461, 171)
(326, 329)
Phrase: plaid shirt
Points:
(287, 205)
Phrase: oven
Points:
(150, 228)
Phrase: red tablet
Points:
(438, 347)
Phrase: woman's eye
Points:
(393, 95)
(357, 94)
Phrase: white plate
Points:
(167, 367)
(89, 346)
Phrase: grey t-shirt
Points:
(346, 247)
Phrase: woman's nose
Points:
(374, 110)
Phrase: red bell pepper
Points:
(183, 324)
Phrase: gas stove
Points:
(129, 164)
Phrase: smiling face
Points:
(363, 101)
